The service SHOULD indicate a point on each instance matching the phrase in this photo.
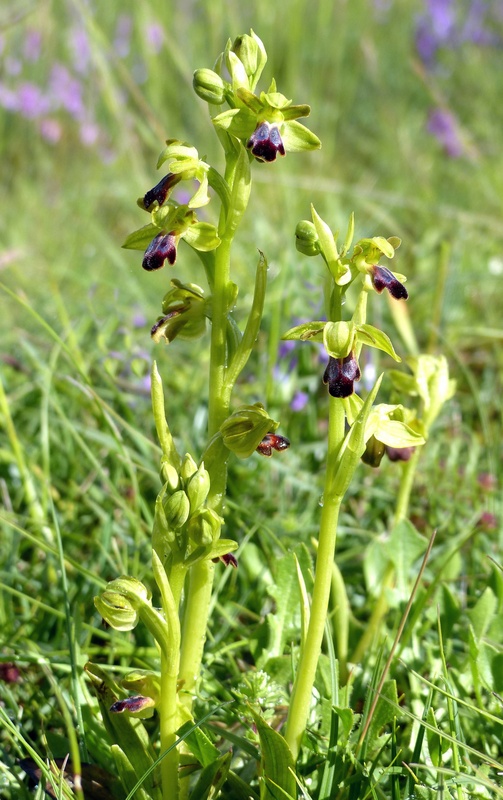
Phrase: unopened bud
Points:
(209, 86)
(188, 468)
(177, 509)
(198, 488)
(306, 238)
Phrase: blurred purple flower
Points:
(286, 348)
(139, 320)
(122, 39)
(32, 45)
(32, 102)
(81, 50)
(154, 35)
(51, 130)
(12, 66)
(299, 401)
(442, 124)
(89, 133)
(66, 91)
(8, 98)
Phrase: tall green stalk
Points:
(304, 679)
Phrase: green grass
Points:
(78, 459)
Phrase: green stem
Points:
(168, 702)
(408, 474)
(311, 649)
(195, 620)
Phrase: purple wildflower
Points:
(66, 91)
(80, 49)
(32, 102)
(299, 401)
(443, 126)
(32, 45)
(122, 40)
(50, 129)
(154, 35)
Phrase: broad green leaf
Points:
(212, 778)
(404, 547)
(200, 744)
(277, 762)
(483, 611)
(385, 712)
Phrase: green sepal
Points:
(140, 239)
(338, 338)
(202, 236)
(339, 271)
(373, 337)
(307, 332)
(176, 149)
(239, 122)
(297, 138)
(243, 431)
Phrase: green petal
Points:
(308, 331)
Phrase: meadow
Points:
(405, 98)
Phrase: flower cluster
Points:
(265, 123)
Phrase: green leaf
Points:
(212, 779)
(403, 548)
(200, 744)
(277, 762)
(481, 615)
(434, 740)
(385, 712)
(140, 239)
(285, 592)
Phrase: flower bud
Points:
(209, 86)
(120, 602)
(138, 705)
(176, 509)
(338, 338)
(251, 52)
(243, 431)
(204, 527)
(188, 468)
(142, 682)
(198, 488)
(306, 238)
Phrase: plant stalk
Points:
(311, 649)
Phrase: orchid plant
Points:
(187, 540)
